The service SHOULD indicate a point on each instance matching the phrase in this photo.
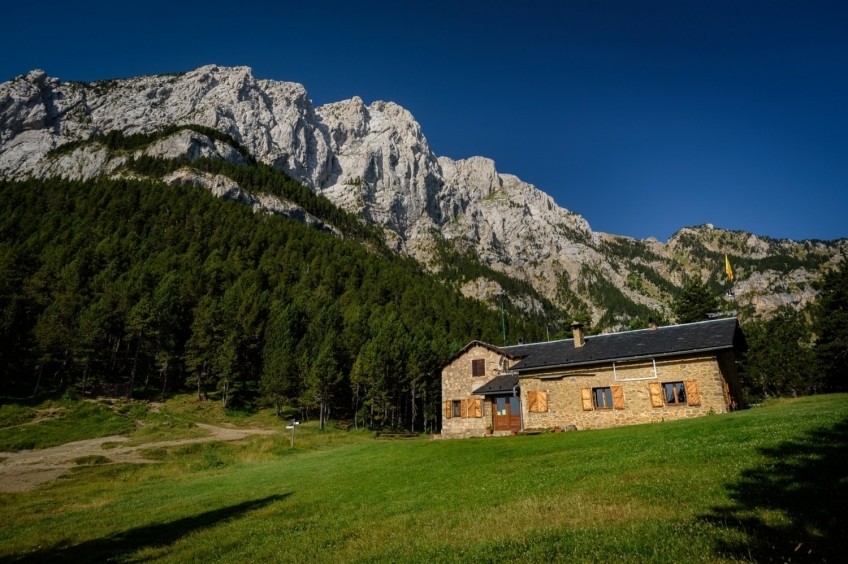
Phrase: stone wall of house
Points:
(458, 384)
(733, 388)
(565, 400)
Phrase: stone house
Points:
(592, 382)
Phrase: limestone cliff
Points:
(374, 160)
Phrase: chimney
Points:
(577, 330)
(652, 325)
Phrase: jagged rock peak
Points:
(274, 120)
(36, 76)
(345, 120)
(382, 165)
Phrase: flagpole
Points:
(729, 271)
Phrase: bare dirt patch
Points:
(24, 470)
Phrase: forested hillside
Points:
(142, 288)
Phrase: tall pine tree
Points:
(832, 327)
(695, 303)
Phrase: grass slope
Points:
(56, 422)
(764, 484)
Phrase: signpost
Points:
(293, 426)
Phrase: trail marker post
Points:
(293, 426)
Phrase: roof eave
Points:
(506, 385)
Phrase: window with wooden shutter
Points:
(602, 398)
(478, 367)
(448, 409)
(693, 394)
(537, 401)
(617, 397)
(476, 408)
(586, 397)
(675, 393)
(656, 394)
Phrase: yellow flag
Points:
(727, 268)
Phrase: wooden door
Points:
(507, 413)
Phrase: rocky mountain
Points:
(375, 161)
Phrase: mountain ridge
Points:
(374, 160)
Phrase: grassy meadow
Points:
(768, 483)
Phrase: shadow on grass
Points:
(125, 543)
(792, 507)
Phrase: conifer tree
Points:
(831, 315)
(280, 382)
(780, 358)
(695, 303)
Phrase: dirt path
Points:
(24, 470)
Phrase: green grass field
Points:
(763, 484)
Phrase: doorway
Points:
(507, 413)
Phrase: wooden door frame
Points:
(514, 420)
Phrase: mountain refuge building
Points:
(592, 382)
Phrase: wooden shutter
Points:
(656, 394)
(693, 394)
(447, 409)
(617, 397)
(464, 408)
(478, 367)
(531, 401)
(586, 396)
(537, 401)
(476, 408)
(542, 401)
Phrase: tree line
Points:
(793, 352)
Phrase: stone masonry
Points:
(565, 388)
(458, 385)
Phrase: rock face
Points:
(375, 161)
(381, 165)
(274, 120)
(222, 186)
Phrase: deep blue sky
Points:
(643, 116)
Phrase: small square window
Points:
(478, 367)
(675, 393)
(456, 408)
(602, 398)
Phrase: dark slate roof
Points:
(499, 385)
(671, 340)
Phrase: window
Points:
(507, 406)
(472, 407)
(456, 408)
(478, 367)
(608, 397)
(602, 398)
(674, 393)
